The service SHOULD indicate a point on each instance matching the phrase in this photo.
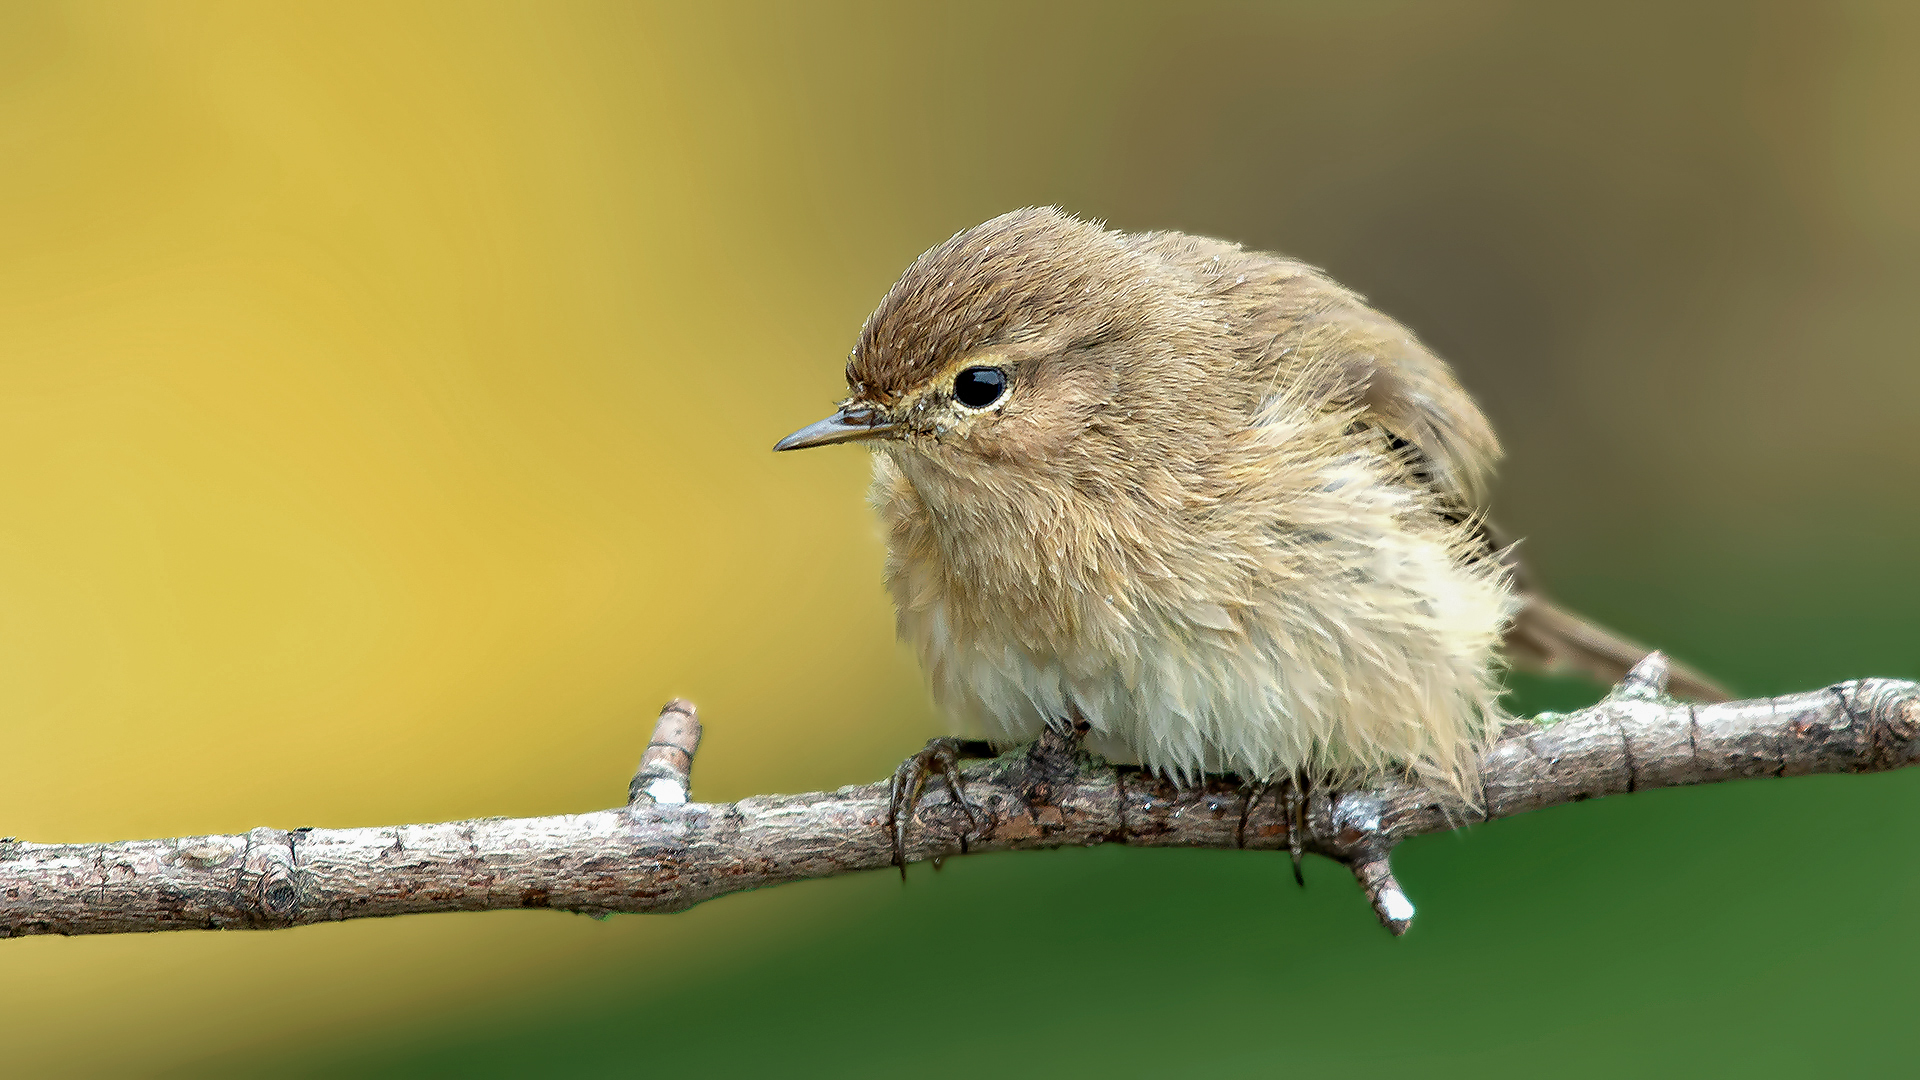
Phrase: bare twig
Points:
(666, 767)
(656, 855)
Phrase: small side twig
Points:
(1648, 679)
(1367, 848)
(665, 774)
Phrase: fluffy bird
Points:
(1201, 503)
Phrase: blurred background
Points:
(385, 400)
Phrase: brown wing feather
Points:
(1413, 395)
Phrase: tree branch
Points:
(662, 854)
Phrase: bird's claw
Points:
(1297, 824)
(940, 757)
(1293, 810)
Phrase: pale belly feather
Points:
(1362, 677)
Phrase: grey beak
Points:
(843, 426)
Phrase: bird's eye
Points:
(979, 387)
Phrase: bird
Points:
(1199, 506)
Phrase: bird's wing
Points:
(1306, 325)
(1409, 392)
(1412, 395)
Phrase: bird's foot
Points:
(1294, 803)
(1053, 760)
(1290, 796)
(941, 757)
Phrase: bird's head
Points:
(1029, 341)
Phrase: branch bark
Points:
(660, 855)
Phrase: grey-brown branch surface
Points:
(661, 853)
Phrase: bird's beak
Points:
(851, 422)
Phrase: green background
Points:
(386, 393)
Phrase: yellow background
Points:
(385, 401)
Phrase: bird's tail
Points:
(1547, 637)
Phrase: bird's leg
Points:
(940, 757)
(1297, 793)
(1293, 811)
(1251, 792)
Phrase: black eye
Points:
(979, 387)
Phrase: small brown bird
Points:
(1203, 502)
